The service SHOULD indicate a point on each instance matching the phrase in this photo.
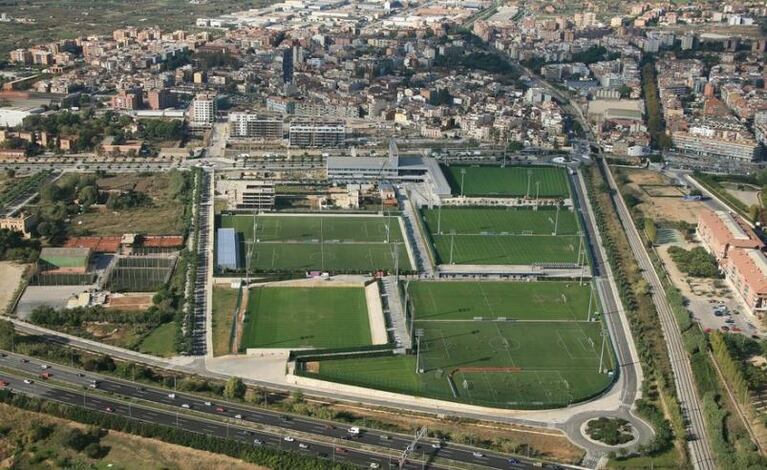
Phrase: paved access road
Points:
(194, 417)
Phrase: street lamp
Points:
(463, 174)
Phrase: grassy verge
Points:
(224, 303)
(160, 341)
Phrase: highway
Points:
(220, 418)
(698, 444)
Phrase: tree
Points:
(234, 388)
(650, 230)
(7, 334)
(88, 196)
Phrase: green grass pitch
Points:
(319, 317)
(503, 235)
(558, 364)
(508, 181)
(327, 243)
(545, 354)
(550, 300)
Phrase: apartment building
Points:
(255, 126)
(317, 133)
(740, 256)
(202, 112)
(746, 269)
(722, 231)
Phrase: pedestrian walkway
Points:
(395, 314)
(421, 251)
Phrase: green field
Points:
(161, 341)
(293, 317)
(557, 364)
(508, 181)
(439, 300)
(545, 354)
(481, 235)
(327, 243)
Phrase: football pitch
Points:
(326, 243)
(544, 181)
(549, 300)
(299, 317)
(482, 235)
(544, 354)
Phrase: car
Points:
(3, 383)
(374, 465)
(207, 403)
(478, 455)
(285, 418)
(45, 366)
(80, 374)
(186, 405)
(729, 320)
(238, 416)
(288, 439)
(707, 330)
(24, 360)
(93, 385)
(28, 381)
(513, 461)
(436, 445)
(109, 409)
(354, 430)
(725, 328)
(735, 329)
(171, 395)
(3, 355)
(341, 450)
(303, 446)
(258, 442)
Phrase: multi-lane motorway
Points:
(218, 418)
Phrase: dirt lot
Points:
(746, 193)
(672, 209)
(10, 273)
(130, 301)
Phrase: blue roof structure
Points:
(227, 255)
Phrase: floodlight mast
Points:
(411, 447)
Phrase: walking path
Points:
(395, 313)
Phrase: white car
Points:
(354, 430)
(478, 455)
(303, 446)
(27, 381)
(186, 405)
(207, 403)
(171, 395)
(288, 439)
(436, 445)
(45, 366)
(374, 465)
(237, 416)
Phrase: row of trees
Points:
(655, 125)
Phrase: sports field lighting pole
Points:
(556, 221)
(452, 242)
(418, 335)
(439, 219)
(529, 175)
(537, 191)
(603, 334)
(463, 174)
(591, 295)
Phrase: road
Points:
(698, 444)
(616, 323)
(219, 418)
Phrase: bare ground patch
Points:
(10, 274)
